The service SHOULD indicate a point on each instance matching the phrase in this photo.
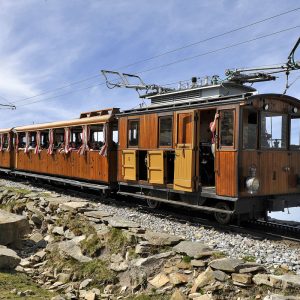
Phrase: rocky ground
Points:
(67, 247)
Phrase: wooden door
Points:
(156, 167)
(129, 164)
(226, 154)
(185, 162)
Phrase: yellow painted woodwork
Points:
(184, 170)
(129, 164)
(156, 168)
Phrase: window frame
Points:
(287, 125)
(292, 147)
(218, 138)
(257, 129)
(172, 130)
(138, 133)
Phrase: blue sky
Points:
(46, 44)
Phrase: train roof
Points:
(87, 118)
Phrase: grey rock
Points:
(8, 259)
(97, 214)
(250, 268)
(262, 279)
(220, 275)
(119, 267)
(71, 249)
(85, 283)
(37, 219)
(59, 230)
(12, 227)
(148, 260)
(58, 298)
(193, 249)
(226, 264)
(118, 222)
(198, 263)
(161, 239)
(281, 297)
(74, 206)
(285, 281)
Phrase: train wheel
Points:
(222, 218)
(153, 204)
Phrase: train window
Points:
(76, 137)
(32, 140)
(45, 139)
(115, 134)
(165, 131)
(226, 128)
(22, 139)
(273, 130)
(133, 133)
(59, 136)
(295, 133)
(96, 137)
(249, 129)
(5, 141)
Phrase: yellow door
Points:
(185, 177)
(129, 164)
(184, 170)
(156, 168)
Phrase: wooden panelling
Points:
(226, 173)
(185, 126)
(90, 166)
(148, 131)
(277, 171)
(123, 133)
(5, 159)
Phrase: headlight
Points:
(252, 185)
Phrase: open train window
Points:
(295, 133)
(250, 126)
(5, 141)
(96, 137)
(59, 136)
(45, 139)
(76, 137)
(32, 140)
(115, 134)
(273, 130)
(22, 140)
(165, 131)
(226, 128)
(133, 133)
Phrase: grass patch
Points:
(10, 281)
(219, 254)
(78, 225)
(249, 258)
(96, 269)
(91, 246)
(117, 241)
(186, 259)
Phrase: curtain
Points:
(67, 140)
(103, 150)
(37, 149)
(1, 142)
(8, 141)
(27, 137)
(51, 142)
(85, 140)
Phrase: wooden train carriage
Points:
(6, 148)
(84, 148)
(165, 151)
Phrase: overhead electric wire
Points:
(216, 50)
(162, 54)
(172, 63)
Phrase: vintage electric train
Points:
(162, 152)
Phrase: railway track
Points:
(258, 229)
